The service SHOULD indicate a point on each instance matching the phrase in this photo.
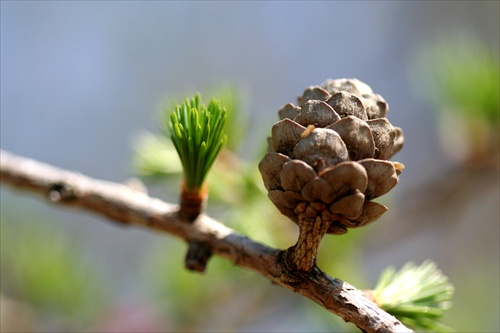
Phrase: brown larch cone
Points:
(331, 151)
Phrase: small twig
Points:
(192, 204)
(197, 256)
(126, 206)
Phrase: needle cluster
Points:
(197, 133)
(416, 295)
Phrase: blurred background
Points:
(83, 83)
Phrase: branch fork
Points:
(197, 133)
(192, 205)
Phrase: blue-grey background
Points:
(81, 80)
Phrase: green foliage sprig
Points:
(416, 295)
(197, 133)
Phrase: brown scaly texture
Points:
(331, 150)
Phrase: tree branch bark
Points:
(123, 205)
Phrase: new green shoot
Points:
(197, 132)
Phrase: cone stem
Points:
(314, 221)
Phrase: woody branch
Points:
(126, 206)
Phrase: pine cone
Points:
(331, 152)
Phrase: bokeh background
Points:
(81, 82)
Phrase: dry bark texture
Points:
(126, 206)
